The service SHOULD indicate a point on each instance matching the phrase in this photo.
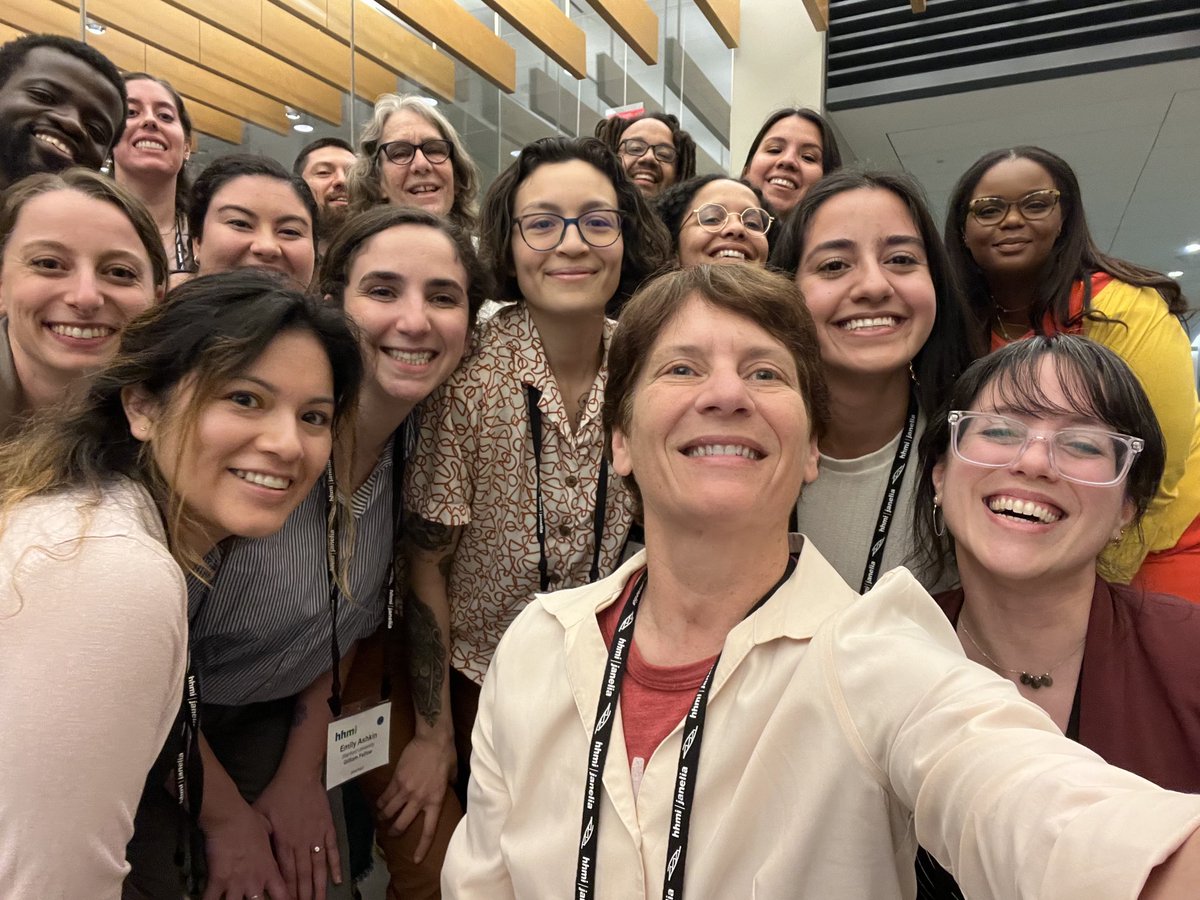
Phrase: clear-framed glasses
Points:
(545, 231)
(402, 152)
(1033, 206)
(713, 216)
(1083, 455)
(664, 153)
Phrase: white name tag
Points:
(357, 743)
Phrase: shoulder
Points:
(1166, 625)
(1120, 299)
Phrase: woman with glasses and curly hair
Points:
(1020, 246)
(410, 155)
(717, 220)
(1048, 451)
(508, 489)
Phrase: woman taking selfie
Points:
(249, 212)
(79, 258)
(214, 419)
(724, 717)
(508, 488)
(1049, 453)
(1020, 245)
(261, 626)
(149, 160)
(894, 333)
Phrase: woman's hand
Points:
(303, 835)
(426, 767)
(237, 844)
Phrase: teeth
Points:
(147, 144)
(423, 189)
(731, 254)
(263, 480)
(75, 331)
(876, 322)
(56, 143)
(1024, 509)
(783, 182)
(412, 357)
(724, 450)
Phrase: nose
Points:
(85, 296)
(66, 117)
(412, 315)
(724, 393)
(280, 435)
(264, 244)
(572, 243)
(788, 159)
(872, 285)
(733, 226)
(1012, 217)
(339, 178)
(419, 162)
(1035, 459)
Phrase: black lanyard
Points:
(689, 755)
(400, 441)
(533, 396)
(887, 508)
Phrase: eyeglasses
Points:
(664, 153)
(545, 231)
(994, 210)
(402, 152)
(1083, 455)
(713, 216)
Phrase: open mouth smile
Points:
(868, 322)
(82, 332)
(785, 183)
(262, 479)
(57, 143)
(741, 450)
(410, 357)
(1024, 510)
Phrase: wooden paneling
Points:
(212, 121)
(36, 16)
(463, 36)
(126, 51)
(193, 81)
(8, 33)
(818, 11)
(545, 24)
(725, 16)
(155, 22)
(918, 6)
(635, 22)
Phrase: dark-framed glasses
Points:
(636, 149)
(1033, 206)
(713, 216)
(402, 152)
(545, 231)
(1083, 455)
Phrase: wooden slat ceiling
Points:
(238, 61)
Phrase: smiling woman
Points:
(718, 220)
(213, 420)
(79, 258)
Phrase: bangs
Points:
(1019, 388)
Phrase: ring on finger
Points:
(316, 848)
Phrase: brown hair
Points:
(767, 299)
(98, 187)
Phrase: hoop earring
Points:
(912, 373)
(939, 520)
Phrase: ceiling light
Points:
(1175, 274)
(1192, 248)
(95, 27)
(428, 101)
(302, 127)
(290, 113)
(514, 153)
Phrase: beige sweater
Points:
(93, 637)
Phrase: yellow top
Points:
(1155, 345)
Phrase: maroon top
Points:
(1139, 686)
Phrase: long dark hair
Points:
(831, 154)
(1096, 382)
(1075, 256)
(955, 339)
(183, 181)
(225, 169)
(207, 330)
(647, 244)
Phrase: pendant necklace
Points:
(1034, 682)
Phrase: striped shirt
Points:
(262, 630)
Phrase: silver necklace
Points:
(1034, 682)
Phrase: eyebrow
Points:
(756, 350)
(552, 207)
(385, 275)
(45, 244)
(266, 385)
(1072, 418)
(892, 240)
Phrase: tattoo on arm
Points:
(432, 537)
(426, 657)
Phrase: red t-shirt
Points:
(654, 699)
(1100, 281)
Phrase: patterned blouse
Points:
(473, 466)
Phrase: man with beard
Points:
(62, 104)
(324, 165)
(654, 150)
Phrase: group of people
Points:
(278, 444)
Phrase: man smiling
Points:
(62, 104)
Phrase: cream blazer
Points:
(840, 731)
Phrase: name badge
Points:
(357, 743)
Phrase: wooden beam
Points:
(918, 6)
(818, 12)
(212, 121)
(636, 24)
(461, 35)
(725, 16)
(545, 24)
(193, 81)
(8, 33)
(37, 17)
